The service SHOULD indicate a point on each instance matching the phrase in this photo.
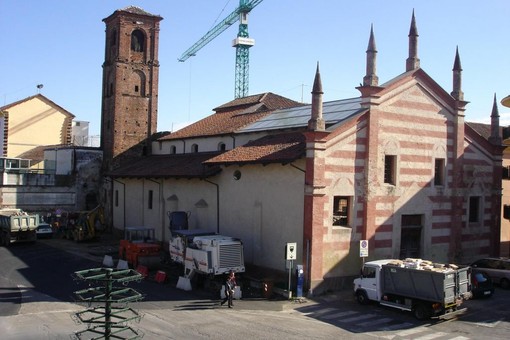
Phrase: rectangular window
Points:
(439, 171)
(505, 172)
(389, 169)
(150, 199)
(341, 206)
(116, 198)
(474, 209)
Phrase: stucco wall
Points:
(264, 208)
(33, 123)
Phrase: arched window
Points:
(222, 146)
(137, 41)
(173, 150)
(194, 148)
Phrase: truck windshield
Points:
(368, 272)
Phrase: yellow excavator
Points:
(87, 224)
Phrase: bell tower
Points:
(129, 106)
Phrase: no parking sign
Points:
(363, 248)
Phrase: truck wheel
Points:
(505, 284)
(421, 311)
(361, 297)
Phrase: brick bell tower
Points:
(130, 85)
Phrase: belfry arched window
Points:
(137, 41)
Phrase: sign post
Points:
(363, 249)
(291, 255)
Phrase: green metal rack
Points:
(108, 321)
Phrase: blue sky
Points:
(60, 44)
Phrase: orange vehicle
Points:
(139, 247)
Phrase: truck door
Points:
(370, 277)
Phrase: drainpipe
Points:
(217, 204)
(233, 141)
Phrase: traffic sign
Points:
(363, 248)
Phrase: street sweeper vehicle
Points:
(205, 253)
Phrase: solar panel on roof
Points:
(333, 112)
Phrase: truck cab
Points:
(366, 287)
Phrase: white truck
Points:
(17, 225)
(427, 289)
(203, 252)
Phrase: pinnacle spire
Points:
(413, 62)
(370, 78)
(457, 77)
(316, 122)
(317, 83)
(495, 136)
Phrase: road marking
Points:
(431, 336)
(338, 315)
(358, 318)
(375, 322)
(412, 331)
(321, 311)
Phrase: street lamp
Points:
(506, 101)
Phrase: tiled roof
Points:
(279, 148)
(483, 130)
(137, 10)
(234, 115)
(169, 166)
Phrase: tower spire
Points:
(371, 79)
(457, 78)
(495, 137)
(316, 122)
(413, 62)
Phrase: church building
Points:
(396, 167)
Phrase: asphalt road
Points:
(37, 301)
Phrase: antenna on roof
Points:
(39, 87)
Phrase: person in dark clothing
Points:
(230, 285)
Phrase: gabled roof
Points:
(40, 97)
(233, 116)
(278, 148)
(189, 165)
(423, 77)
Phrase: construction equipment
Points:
(139, 247)
(203, 252)
(82, 225)
(242, 43)
(17, 225)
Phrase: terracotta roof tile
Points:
(280, 148)
(234, 115)
(169, 166)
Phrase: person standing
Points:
(230, 285)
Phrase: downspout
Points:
(217, 204)
(233, 141)
(124, 202)
(161, 201)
